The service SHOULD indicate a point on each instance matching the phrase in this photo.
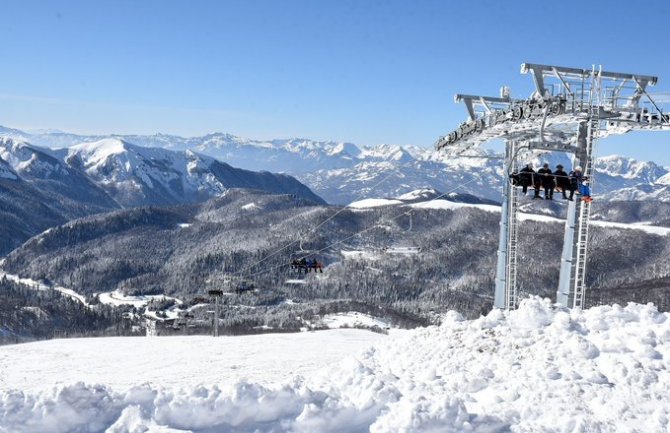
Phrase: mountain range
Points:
(344, 172)
(42, 187)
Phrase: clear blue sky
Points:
(363, 71)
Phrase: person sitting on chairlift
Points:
(547, 179)
(580, 181)
(563, 182)
(527, 178)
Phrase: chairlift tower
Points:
(569, 111)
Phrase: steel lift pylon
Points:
(569, 111)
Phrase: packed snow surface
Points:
(537, 369)
(182, 361)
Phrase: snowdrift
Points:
(537, 369)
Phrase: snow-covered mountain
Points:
(135, 175)
(344, 172)
(42, 187)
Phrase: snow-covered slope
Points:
(151, 175)
(537, 369)
(31, 161)
(142, 175)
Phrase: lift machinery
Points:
(569, 111)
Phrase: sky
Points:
(362, 71)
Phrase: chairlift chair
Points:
(304, 261)
(401, 249)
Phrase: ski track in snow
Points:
(536, 369)
(40, 286)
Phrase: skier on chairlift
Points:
(579, 182)
(527, 178)
(547, 179)
(563, 182)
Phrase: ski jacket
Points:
(577, 178)
(562, 180)
(527, 176)
(546, 177)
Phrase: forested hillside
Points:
(28, 314)
(251, 236)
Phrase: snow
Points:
(418, 194)
(403, 250)
(537, 369)
(448, 205)
(373, 202)
(116, 161)
(295, 281)
(36, 285)
(250, 206)
(117, 298)
(352, 320)
(360, 254)
(645, 227)
(125, 363)
(98, 152)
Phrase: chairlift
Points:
(304, 265)
(304, 261)
(404, 249)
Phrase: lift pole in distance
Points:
(216, 294)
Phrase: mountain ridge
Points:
(42, 188)
(342, 172)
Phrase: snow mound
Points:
(537, 369)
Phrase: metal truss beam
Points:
(471, 101)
